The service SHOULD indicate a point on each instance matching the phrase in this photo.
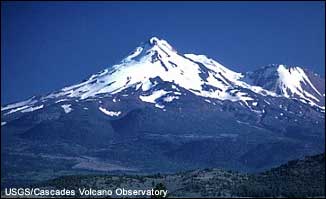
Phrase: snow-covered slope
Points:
(157, 58)
(198, 74)
(290, 82)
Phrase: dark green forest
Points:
(297, 178)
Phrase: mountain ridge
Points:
(204, 77)
(159, 110)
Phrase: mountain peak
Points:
(282, 66)
(197, 74)
(154, 49)
(161, 43)
(289, 81)
(154, 40)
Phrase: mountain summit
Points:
(290, 82)
(159, 110)
(157, 60)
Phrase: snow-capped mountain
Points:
(198, 74)
(290, 82)
(161, 110)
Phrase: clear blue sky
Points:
(48, 45)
